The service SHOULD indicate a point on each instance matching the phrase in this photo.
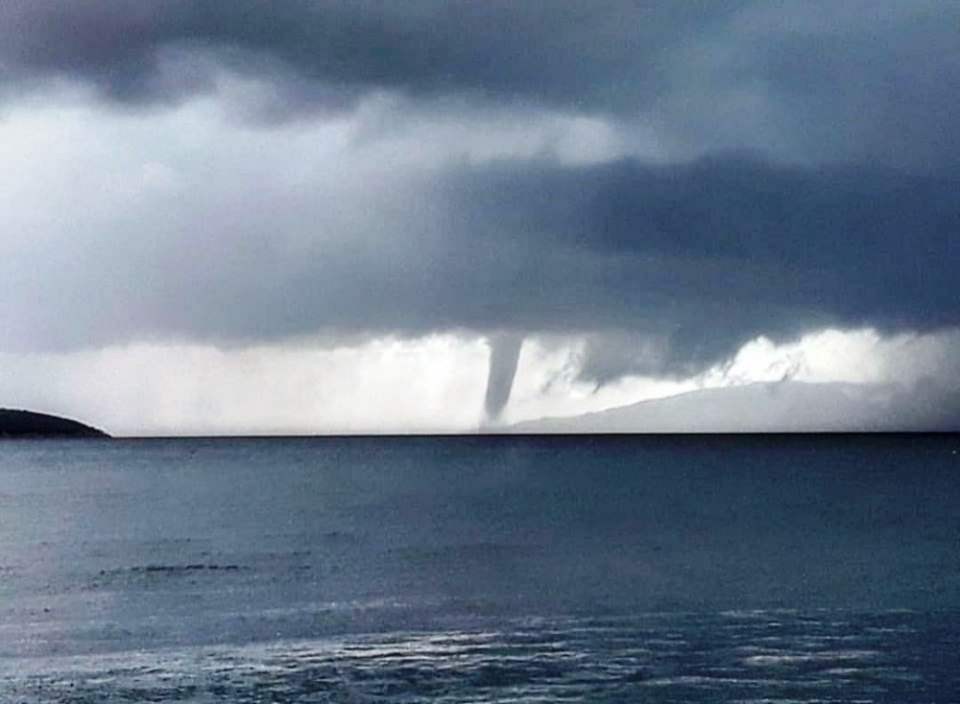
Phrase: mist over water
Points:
(737, 568)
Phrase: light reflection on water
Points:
(729, 657)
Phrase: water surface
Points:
(481, 569)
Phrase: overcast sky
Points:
(304, 216)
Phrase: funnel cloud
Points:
(504, 355)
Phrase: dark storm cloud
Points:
(806, 80)
(712, 253)
(692, 259)
(561, 52)
(859, 81)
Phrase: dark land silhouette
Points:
(27, 424)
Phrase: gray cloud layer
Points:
(561, 52)
(810, 174)
(703, 255)
(808, 79)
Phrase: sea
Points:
(743, 568)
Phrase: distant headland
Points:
(26, 424)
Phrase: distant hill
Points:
(26, 424)
(789, 406)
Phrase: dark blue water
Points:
(702, 569)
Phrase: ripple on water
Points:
(688, 658)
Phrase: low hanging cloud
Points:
(830, 380)
(698, 258)
(431, 384)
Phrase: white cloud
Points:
(431, 384)
(548, 384)
(428, 384)
(863, 356)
